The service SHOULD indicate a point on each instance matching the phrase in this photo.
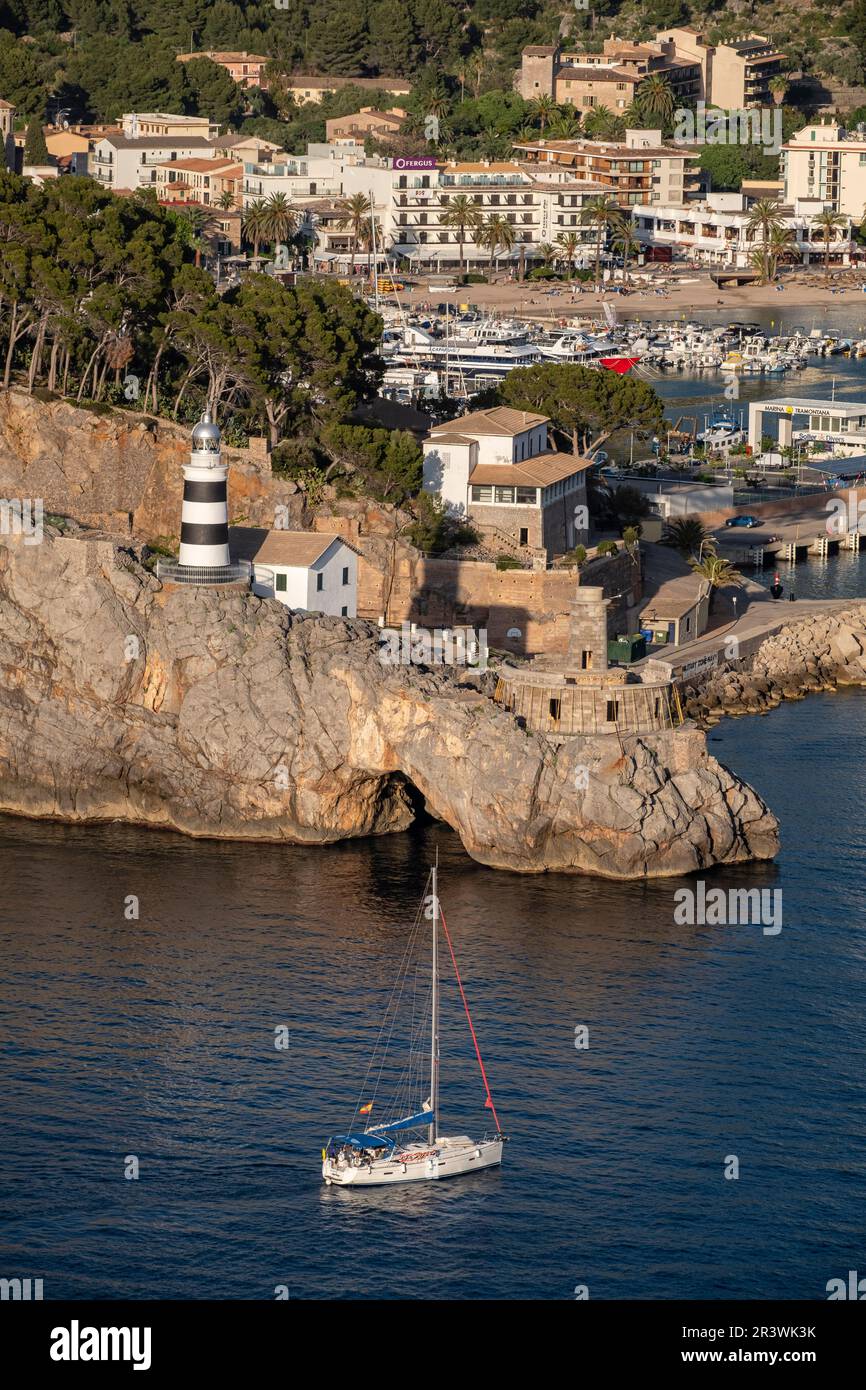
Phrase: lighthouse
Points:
(204, 529)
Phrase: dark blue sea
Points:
(155, 1039)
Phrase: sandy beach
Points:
(687, 292)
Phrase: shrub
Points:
(607, 548)
(577, 556)
(508, 562)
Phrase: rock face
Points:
(222, 714)
(816, 653)
(121, 470)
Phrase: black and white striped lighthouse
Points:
(204, 528)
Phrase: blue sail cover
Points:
(423, 1117)
(362, 1141)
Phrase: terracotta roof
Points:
(6, 105)
(540, 471)
(290, 548)
(500, 419)
(593, 73)
(158, 142)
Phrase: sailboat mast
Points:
(434, 1009)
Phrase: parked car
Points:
(742, 521)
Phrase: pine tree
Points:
(35, 148)
(393, 42)
(338, 42)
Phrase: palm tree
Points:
(463, 216)
(599, 212)
(254, 222)
(226, 200)
(281, 220)
(543, 108)
(765, 216)
(783, 247)
(827, 223)
(566, 126)
(601, 123)
(568, 244)
(686, 534)
(778, 86)
(546, 252)
(496, 233)
(717, 572)
(625, 244)
(356, 209)
(654, 99)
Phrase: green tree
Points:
(212, 92)
(764, 218)
(461, 215)
(600, 213)
(338, 41)
(393, 41)
(584, 404)
(686, 534)
(355, 210)
(35, 148)
(828, 224)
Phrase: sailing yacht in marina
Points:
(411, 1148)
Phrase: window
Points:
(482, 494)
(612, 711)
(282, 583)
(586, 661)
(504, 494)
(345, 574)
(344, 612)
(528, 496)
(523, 538)
(554, 707)
(320, 583)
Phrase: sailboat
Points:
(412, 1148)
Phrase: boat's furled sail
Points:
(423, 1117)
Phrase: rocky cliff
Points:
(228, 715)
(121, 470)
(815, 653)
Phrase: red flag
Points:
(620, 365)
(488, 1104)
(366, 1109)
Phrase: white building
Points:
(841, 425)
(144, 125)
(303, 569)
(716, 231)
(827, 162)
(497, 469)
(121, 162)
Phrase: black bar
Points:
(200, 533)
(646, 1337)
(211, 491)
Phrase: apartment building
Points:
(383, 125)
(119, 162)
(732, 75)
(716, 231)
(828, 162)
(638, 169)
(201, 181)
(609, 78)
(497, 469)
(142, 125)
(305, 88)
(244, 68)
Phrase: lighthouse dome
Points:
(206, 434)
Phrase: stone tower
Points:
(538, 67)
(587, 631)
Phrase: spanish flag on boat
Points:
(366, 1109)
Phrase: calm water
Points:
(155, 1038)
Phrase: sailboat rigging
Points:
(379, 1154)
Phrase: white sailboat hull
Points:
(446, 1158)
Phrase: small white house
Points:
(303, 569)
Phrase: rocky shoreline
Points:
(221, 714)
(819, 653)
